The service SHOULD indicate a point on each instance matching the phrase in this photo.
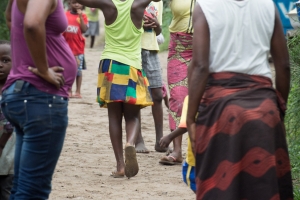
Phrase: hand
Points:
(150, 22)
(164, 142)
(79, 11)
(51, 75)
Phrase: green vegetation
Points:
(293, 112)
(167, 17)
(4, 33)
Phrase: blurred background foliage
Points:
(4, 33)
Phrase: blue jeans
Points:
(40, 120)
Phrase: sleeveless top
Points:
(240, 35)
(122, 38)
(58, 52)
(182, 11)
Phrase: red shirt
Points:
(73, 34)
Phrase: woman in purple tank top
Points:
(35, 98)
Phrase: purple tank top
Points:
(58, 52)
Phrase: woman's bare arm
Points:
(8, 14)
(281, 60)
(36, 14)
(198, 69)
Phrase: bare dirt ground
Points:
(87, 158)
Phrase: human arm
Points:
(152, 22)
(8, 14)
(83, 21)
(198, 69)
(35, 16)
(166, 140)
(281, 60)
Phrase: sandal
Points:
(170, 160)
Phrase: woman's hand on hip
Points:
(53, 75)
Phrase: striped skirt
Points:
(118, 82)
(241, 149)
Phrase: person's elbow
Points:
(31, 26)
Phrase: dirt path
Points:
(87, 158)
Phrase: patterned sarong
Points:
(180, 55)
(241, 150)
(118, 82)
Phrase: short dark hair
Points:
(4, 42)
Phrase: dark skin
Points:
(5, 66)
(117, 109)
(36, 13)
(76, 8)
(199, 67)
(151, 22)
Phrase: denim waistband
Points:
(24, 87)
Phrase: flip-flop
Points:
(131, 164)
(115, 174)
(170, 160)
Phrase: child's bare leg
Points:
(92, 41)
(166, 100)
(177, 152)
(115, 115)
(78, 85)
(157, 112)
(140, 144)
(131, 115)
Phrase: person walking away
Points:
(93, 30)
(152, 68)
(238, 137)
(179, 57)
(35, 95)
(77, 25)
(122, 83)
(7, 135)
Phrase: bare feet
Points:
(116, 174)
(141, 148)
(160, 149)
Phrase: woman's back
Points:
(240, 35)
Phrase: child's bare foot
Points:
(116, 174)
(160, 149)
(77, 95)
(141, 148)
(131, 164)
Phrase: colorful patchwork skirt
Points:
(118, 82)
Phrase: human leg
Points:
(79, 76)
(115, 115)
(131, 115)
(92, 41)
(140, 144)
(6, 182)
(41, 121)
